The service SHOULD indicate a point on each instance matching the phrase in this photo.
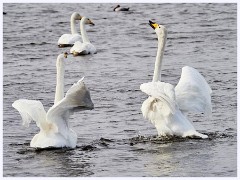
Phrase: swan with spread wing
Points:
(54, 126)
(166, 106)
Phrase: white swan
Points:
(118, 8)
(166, 106)
(54, 127)
(67, 40)
(85, 47)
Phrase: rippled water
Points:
(114, 139)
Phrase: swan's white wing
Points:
(91, 48)
(83, 48)
(77, 98)
(76, 47)
(162, 91)
(193, 92)
(69, 39)
(31, 110)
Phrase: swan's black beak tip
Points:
(150, 22)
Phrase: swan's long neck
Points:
(159, 58)
(83, 31)
(59, 94)
(73, 25)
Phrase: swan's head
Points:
(87, 21)
(76, 16)
(60, 59)
(62, 56)
(65, 54)
(159, 29)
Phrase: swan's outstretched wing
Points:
(162, 91)
(69, 38)
(77, 98)
(31, 110)
(193, 92)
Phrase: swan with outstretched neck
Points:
(166, 106)
(85, 47)
(55, 131)
(67, 40)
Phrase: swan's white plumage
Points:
(162, 91)
(162, 109)
(85, 47)
(54, 127)
(60, 112)
(30, 110)
(193, 92)
(70, 39)
(166, 106)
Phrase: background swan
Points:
(85, 47)
(166, 106)
(118, 8)
(67, 40)
(54, 126)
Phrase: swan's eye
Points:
(159, 26)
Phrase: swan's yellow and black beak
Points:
(153, 24)
(65, 54)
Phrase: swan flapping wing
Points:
(162, 91)
(77, 98)
(193, 92)
(31, 110)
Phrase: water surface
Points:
(114, 139)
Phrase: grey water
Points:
(114, 140)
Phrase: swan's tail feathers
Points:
(77, 98)
(31, 110)
(193, 92)
(163, 92)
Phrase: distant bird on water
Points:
(118, 8)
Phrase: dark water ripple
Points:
(114, 139)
